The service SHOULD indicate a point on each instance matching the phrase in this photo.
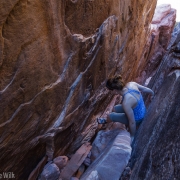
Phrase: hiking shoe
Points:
(101, 120)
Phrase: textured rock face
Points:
(54, 58)
(161, 29)
(156, 152)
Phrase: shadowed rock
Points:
(50, 172)
(35, 173)
(156, 152)
(54, 58)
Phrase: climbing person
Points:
(132, 110)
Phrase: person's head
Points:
(115, 83)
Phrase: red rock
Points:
(156, 149)
(60, 161)
(50, 172)
(161, 29)
(75, 161)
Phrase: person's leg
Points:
(118, 108)
(118, 117)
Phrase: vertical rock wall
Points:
(54, 59)
(160, 34)
(156, 152)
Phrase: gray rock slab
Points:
(103, 138)
(112, 161)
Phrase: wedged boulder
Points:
(112, 160)
(50, 172)
(156, 152)
(60, 161)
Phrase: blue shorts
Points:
(120, 116)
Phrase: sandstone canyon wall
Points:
(54, 58)
(160, 34)
(156, 152)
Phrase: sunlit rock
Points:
(54, 59)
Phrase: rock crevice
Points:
(53, 69)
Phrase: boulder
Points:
(60, 161)
(50, 172)
(113, 159)
(101, 141)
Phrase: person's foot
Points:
(101, 121)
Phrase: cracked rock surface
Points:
(54, 59)
(156, 152)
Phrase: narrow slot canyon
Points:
(55, 59)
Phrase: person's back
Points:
(135, 100)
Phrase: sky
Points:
(174, 4)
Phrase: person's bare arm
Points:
(145, 89)
(129, 112)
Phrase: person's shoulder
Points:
(130, 84)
